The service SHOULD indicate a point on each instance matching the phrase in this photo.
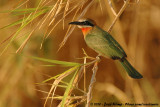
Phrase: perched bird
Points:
(104, 44)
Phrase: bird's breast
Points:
(86, 30)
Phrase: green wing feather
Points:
(103, 43)
(116, 44)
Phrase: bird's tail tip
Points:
(132, 72)
(137, 76)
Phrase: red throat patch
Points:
(86, 30)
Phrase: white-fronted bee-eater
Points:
(105, 45)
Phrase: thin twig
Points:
(112, 9)
(82, 100)
(70, 97)
(118, 15)
(93, 80)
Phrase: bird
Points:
(105, 45)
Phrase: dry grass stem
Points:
(112, 9)
(69, 32)
(25, 2)
(118, 15)
(53, 88)
(84, 72)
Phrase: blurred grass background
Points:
(137, 31)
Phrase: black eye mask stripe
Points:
(82, 23)
(87, 23)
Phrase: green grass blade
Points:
(71, 69)
(18, 12)
(21, 12)
(48, 65)
(28, 9)
(68, 89)
(25, 10)
(61, 86)
(13, 24)
(63, 63)
(26, 21)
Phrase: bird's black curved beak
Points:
(75, 23)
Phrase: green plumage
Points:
(104, 44)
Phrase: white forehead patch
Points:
(83, 26)
(82, 20)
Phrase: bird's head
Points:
(84, 24)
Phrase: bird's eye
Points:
(86, 22)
